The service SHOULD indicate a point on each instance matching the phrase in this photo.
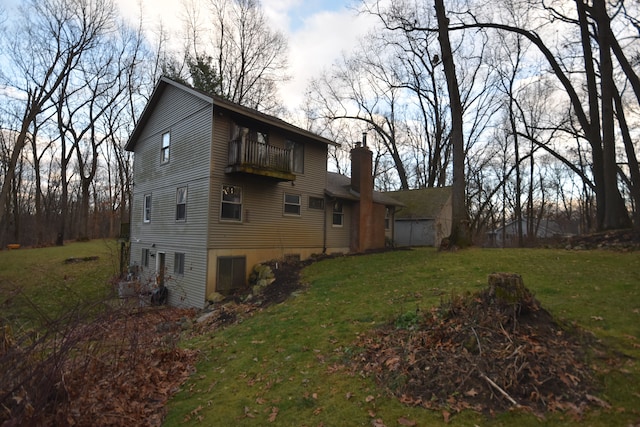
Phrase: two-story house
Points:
(219, 188)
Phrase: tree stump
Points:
(507, 288)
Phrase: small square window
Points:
(231, 203)
(178, 263)
(316, 203)
(292, 204)
(166, 147)
(181, 204)
(147, 208)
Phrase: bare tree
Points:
(363, 89)
(57, 33)
(597, 123)
(460, 233)
(234, 52)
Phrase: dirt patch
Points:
(236, 307)
(287, 280)
(475, 352)
(83, 259)
(622, 240)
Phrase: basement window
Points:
(231, 274)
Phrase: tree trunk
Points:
(38, 192)
(21, 141)
(615, 212)
(460, 233)
(592, 127)
(632, 159)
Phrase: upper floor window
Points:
(338, 214)
(292, 204)
(249, 134)
(166, 147)
(231, 203)
(181, 204)
(146, 209)
(297, 156)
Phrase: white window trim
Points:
(146, 208)
(186, 198)
(341, 213)
(285, 203)
(222, 202)
(175, 265)
(165, 148)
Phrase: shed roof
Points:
(339, 186)
(424, 203)
(224, 104)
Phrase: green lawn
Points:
(286, 364)
(37, 285)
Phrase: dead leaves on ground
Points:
(471, 353)
(126, 370)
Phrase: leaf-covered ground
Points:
(466, 353)
(118, 370)
(128, 380)
(474, 352)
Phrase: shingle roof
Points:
(221, 103)
(424, 203)
(339, 186)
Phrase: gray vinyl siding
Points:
(339, 237)
(415, 232)
(264, 224)
(188, 119)
(200, 134)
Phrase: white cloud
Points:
(278, 12)
(323, 37)
(319, 31)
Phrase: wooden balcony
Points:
(252, 157)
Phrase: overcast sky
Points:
(318, 32)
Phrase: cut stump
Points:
(507, 288)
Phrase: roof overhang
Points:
(221, 103)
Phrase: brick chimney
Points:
(362, 183)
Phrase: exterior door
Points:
(160, 268)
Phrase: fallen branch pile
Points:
(118, 369)
(482, 352)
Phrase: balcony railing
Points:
(250, 156)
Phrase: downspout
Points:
(324, 229)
